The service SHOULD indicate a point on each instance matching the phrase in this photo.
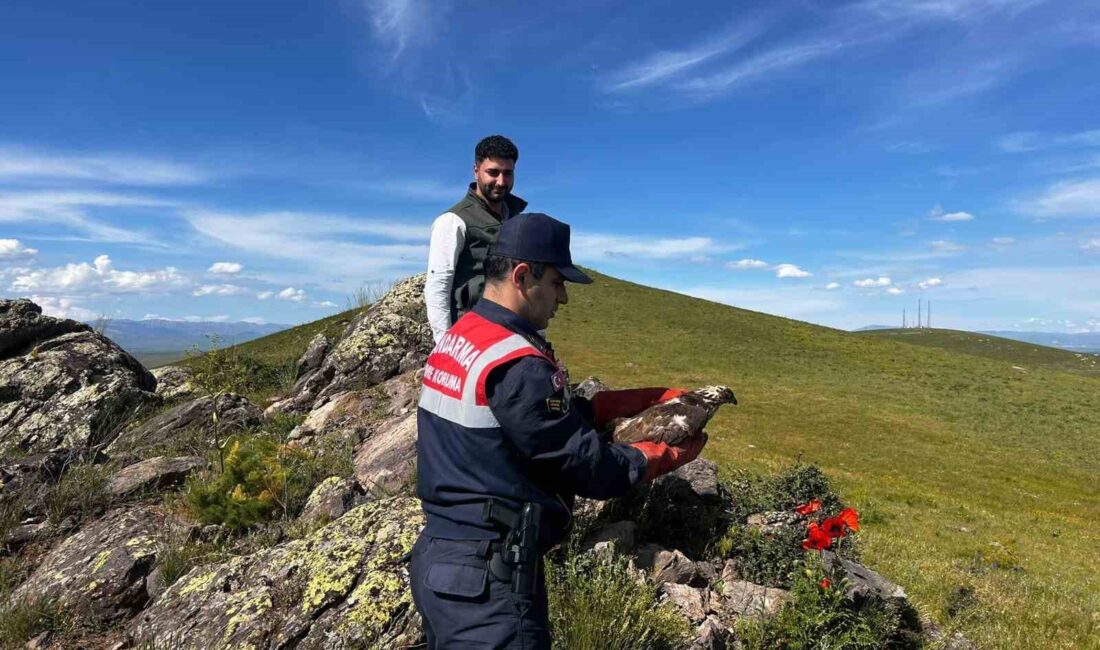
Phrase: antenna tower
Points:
(903, 323)
(918, 313)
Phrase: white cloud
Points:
(663, 66)
(402, 24)
(69, 208)
(954, 10)
(747, 264)
(1030, 141)
(17, 164)
(593, 247)
(328, 304)
(1066, 199)
(100, 276)
(832, 285)
(790, 271)
(13, 249)
(881, 281)
(225, 267)
(770, 62)
(937, 214)
(264, 295)
(219, 318)
(339, 252)
(1003, 241)
(61, 307)
(292, 294)
(255, 320)
(219, 290)
(929, 283)
(1092, 244)
(945, 246)
(895, 291)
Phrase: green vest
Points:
(482, 225)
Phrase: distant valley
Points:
(158, 341)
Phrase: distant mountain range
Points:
(1082, 342)
(155, 335)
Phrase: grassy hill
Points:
(1025, 356)
(978, 483)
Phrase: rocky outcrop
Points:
(61, 383)
(167, 428)
(386, 461)
(355, 415)
(152, 475)
(174, 382)
(677, 510)
(313, 356)
(331, 499)
(343, 586)
(390, 337)
(99, 573)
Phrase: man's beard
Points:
(491, 192)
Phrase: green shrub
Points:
(596, 602)
(749, 492)
(262, 480)
(765, 559)
(819, 617)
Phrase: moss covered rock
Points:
(61, 383)
(343, 586)
(390, 337)
(99, 573)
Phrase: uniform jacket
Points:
(496, 421)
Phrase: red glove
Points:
(662, 458)
(611, 404)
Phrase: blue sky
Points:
(828, 161)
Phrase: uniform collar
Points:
(515, 204)
(503, 316)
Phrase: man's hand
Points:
(612, 404)
(661, 458)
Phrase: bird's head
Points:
(715, 396)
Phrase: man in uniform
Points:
(461, 236)
(498, 431)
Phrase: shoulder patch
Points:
(558, 380)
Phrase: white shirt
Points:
(448, 238)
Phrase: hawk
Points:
(676, 420)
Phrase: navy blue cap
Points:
(537, 237)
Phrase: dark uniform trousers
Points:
(468, 606)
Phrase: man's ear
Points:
(519, 274)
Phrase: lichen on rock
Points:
(344, 584)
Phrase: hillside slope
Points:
(970, 474)
(977, 482)
(1025, 356)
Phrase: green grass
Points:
(1025, 356)
(289, 344)
(949, 456)
(271, 361)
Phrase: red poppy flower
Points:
(816, 538)
(834, 527)
(808, 508)
(826, 583)
(849, 517)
